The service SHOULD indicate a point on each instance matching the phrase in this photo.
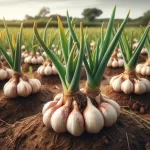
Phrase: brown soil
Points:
(25, 67)
(109, 71)
(30, 133)
(12, 110)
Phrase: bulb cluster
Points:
(32, 59)
(130, 83)
(143, 69)
(47, 69)
(67, 116)
(116, 60)
(20, 85)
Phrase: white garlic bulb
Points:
(48, 70)
(109, 113)
(138, 68)
(3, 74)
(93, 118)
(35, 84)
(116, 84)
(127, 86)
(10, 89)
(23, 88)
(75, 121)
(115, 63)
(59, 118)
(139, 87)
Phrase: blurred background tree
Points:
(91, 13)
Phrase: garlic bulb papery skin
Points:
(3, 74)
(148, 71)
(34, 61)
(113, 79)
(40, 60)
(35, 84)
(41, 70)
(48, 114)
(113, 103)
(146, 83)
(116, 84)
(48, 105)
(127, 86)
(23, 88)
(120, 62)
(93, 118)
(54, 70)
(115, 63)
(109, 63)
(109, 113)
(75, 121)
(143, 70)
(28, 59)
(10, 89)
(139, 87)
(138, 68)
(144, 51)
(48, 70)
(58, 96)
(59, 118)
(119, 55)
(9, 73)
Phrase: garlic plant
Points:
(34, 58)
(72, 110)
(19, 84)
(144, 68)
(115, 61)
(129, 82)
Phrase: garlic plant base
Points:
(70, 117)
(130, 83)
(20, 85)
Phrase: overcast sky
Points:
(17, 9)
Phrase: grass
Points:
(92, 32)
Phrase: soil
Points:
(12, 110)
(21, 126)
(30, 133)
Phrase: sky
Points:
(17, 9)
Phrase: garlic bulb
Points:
(40, 60)
(139, 87)
(59, 118)
(35, 84)
(113, 103)
(58, 96)
(75, 121)
(48, 114)
(138, 68)
(115, 63)
(34, 59)
(41, 70)
(54, 70)
(127, 86)
(48, 70)
(144, 51)
(3, 74)
(9, 73)
(109, 63)
(146, 83)
(120, 62)
(94, 120)
(116, 84)
(109, 113)
(113, 79)
(48, 105)
(10, 89)
(23, 88)
(119, 55)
